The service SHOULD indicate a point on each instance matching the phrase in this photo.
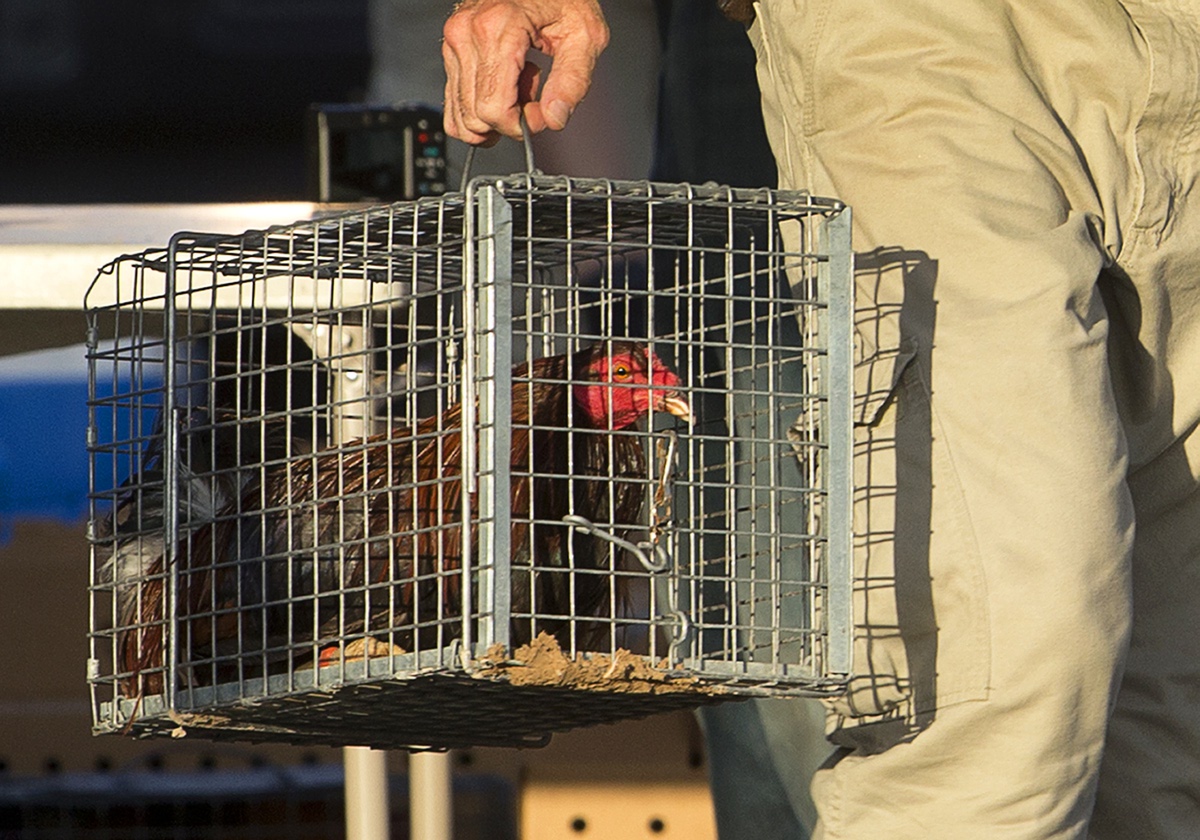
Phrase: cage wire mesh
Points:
(472, 470)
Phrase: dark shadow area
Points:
(195, 100)
(895, 623)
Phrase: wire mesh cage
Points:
(468, 471)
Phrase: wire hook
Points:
(662, 559)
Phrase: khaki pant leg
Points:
(987, 150)
(1150, 777)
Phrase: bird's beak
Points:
(674, 403)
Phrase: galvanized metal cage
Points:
(363, 479)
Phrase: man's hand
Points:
(489, 80)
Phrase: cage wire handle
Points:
(527, 142)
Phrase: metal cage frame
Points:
(748, 291)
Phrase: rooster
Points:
(367, 538)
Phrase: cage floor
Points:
(439, 711)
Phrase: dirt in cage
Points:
(543, 662)
(367, 538)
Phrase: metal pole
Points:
(366, 777)
(366, 793)
(366, 788)
(345, 348)
(431, 813)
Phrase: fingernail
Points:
(558, 112)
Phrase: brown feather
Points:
(366, 539)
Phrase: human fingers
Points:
(484, 48)
(486, 42)
(575, 43)
(458, 91)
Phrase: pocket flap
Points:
(876, 376)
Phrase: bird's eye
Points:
(620, 372)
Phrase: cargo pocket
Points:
(917, 646)
(881, 669)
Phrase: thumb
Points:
(569, 81)
(570, 77)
